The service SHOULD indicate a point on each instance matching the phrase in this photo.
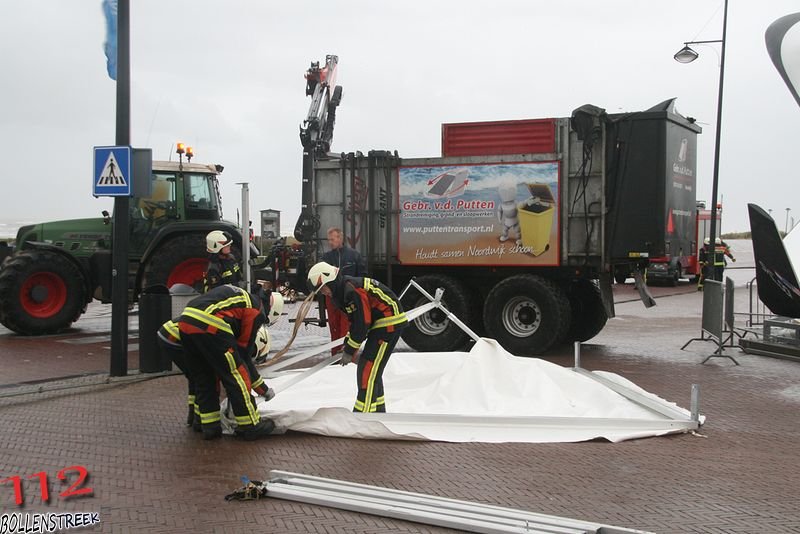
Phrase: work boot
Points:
(212, 431)
(252, 432)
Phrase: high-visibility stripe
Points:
(172, 329)
(191, 400)
(209, 417)
(373, 372)
(389, 321)
(351, 343)
(207, 318)
(245, 420)
(387, 300)
(254, 417)
(257, 383)
(242, 298)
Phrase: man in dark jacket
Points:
(375, 315)
(350, 263)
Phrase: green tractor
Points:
(56, 268)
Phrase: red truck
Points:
(685, 263)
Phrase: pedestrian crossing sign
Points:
(112, 171)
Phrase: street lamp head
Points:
(686, 55)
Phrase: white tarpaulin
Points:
(486, 395)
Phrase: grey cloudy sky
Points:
(227, 78)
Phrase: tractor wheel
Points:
(433, 331)
(527, 314)
(180, 260)
(588, 314)
(41, 292)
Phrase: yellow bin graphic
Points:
(536, 218)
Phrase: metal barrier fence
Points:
(757, 312)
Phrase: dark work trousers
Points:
(371, 363)
(209, 356)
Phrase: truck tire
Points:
(41, 292)
(527, 314)
(180, 260)
(433, 331)
(588, 313)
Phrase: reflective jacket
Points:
(221, 270)
(225, 310)
(369, 305)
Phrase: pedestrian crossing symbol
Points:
(112, 171)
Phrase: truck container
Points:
(524, 244)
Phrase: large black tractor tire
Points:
(527, 314)
(588, 313)
(433, 331)
(41, 292)
(180, 260)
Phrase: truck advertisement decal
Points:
(680, 198)
(493, 214)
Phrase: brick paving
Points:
(149, 473)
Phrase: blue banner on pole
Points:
(110, 46)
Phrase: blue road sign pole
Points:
(119, 253)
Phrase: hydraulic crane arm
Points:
(316, 135)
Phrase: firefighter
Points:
(375, 315)
(350, 263)
(217, 330)
(169, 337)
(703, 260)
(723, 251)
(720, 251)
(223, 266)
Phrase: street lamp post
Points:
(687, 55)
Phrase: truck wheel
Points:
(526, 314)
(588, 314)
(433, 331)
(41, 292)
(181, 260)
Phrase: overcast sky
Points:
(227, 78)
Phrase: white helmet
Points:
(263, 342)
(707, 241)
(216, 240)
(718, 241)
(275, 307)
(320, 274)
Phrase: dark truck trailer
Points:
(657, 213)
(524, 244)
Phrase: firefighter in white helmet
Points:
(375, 315)
(216, 338)
(223, 266)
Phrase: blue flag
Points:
(110, 46)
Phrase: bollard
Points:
(154, 310)
(577, 347)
